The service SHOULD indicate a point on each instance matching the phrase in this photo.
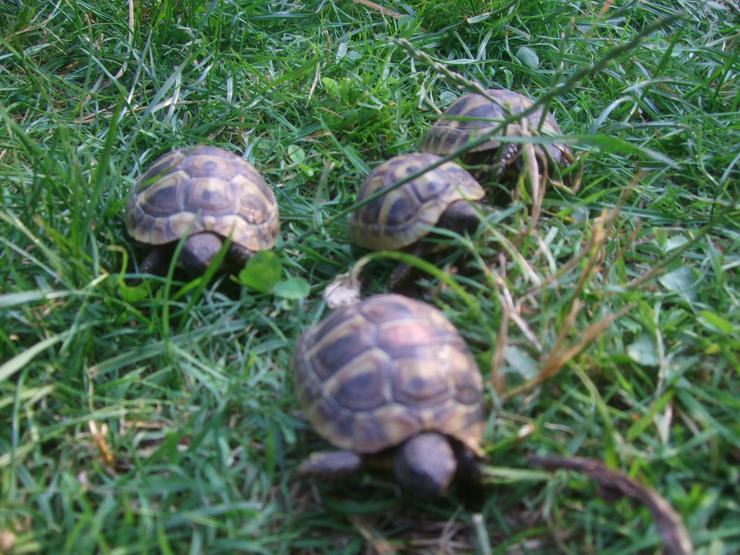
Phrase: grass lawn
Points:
(161, 417)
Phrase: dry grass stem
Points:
(675, 538)
(558, 357)
(377, 543)
(497, 360)
(381, 9)
(100, 438)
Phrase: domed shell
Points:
(478, 114)
(404, 215)
(373, 374)
(198, 189)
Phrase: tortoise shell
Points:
(199, 189)
(404, 215)
(371, 375)
(473, 114)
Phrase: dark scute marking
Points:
(363, 391)
(426, 389)
(336, 318)
(163, 202)
(337, 424)
(401, 211)
(327, 410)
(333, 356)
(431, 187)
(210, 198)
(307, 385)
(486, 110)
(459, 107)
(370, 213)
(202, 166)
(468, 394)
(411, 168)
(456, 173)
(161, 167)
(254, 210)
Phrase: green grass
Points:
(168, 423)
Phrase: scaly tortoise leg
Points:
(156, 262)
(330, 464)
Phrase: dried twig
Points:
(99, 437)
(497, 360)
(559, 356)
(452, 76)
(676, 540)
(379, 545)
(381, 9)
(532, 174)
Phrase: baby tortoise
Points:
(391, 378)
(210, 195)
(440, 197)
(473, 114)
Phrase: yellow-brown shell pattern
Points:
(203, 188)
(404, 215)
(449, 133)
(373, 374)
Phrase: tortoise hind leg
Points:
(330, 464)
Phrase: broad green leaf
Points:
(296, 154)
(132, 294)
(293, 288)
(25, 297)
(528, 57)
(520, 362)
(331, 86)
(643, 351)
(682, 280)
(675, 242)
(262, 272)
(715, 322)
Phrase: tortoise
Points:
(209, 194)
(400, 218)
(391, 378)
(473, 114)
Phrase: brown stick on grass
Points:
(381, 9)
(676, 540)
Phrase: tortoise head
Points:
(198, 252)
(459, 217)
(425, 464)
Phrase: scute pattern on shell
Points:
(447, 135)
(203, 189)
(402, 216)
(373, 374)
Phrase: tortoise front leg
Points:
(156, 262)
(238, 256)
(330, 464)
(403, 277)
(509, 155)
